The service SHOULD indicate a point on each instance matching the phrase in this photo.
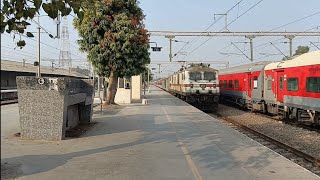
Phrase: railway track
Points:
(305, 160)
(6, 102)
(309, 127)
(9, 96)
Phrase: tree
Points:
(115, 39)
(301, 50)
(15, 14)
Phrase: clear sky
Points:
(193, 15)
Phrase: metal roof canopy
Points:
(225, 33)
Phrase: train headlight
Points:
(191, 85)
(214, 85)
(203, 86)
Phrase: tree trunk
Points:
(112, 88)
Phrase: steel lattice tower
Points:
(65, 55)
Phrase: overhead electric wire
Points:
(214, 22)
(295, 21)
(56, 53)
(267, 44)
(225, 27)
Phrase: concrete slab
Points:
(165, 139)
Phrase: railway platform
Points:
(165, 139)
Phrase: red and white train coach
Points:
(288, 88)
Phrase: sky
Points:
(192, 15)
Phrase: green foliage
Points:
(113, 35)
(16, 13)
(301, 50)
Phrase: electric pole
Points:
(24, 62)
(250, 37)
(39, 50)
(290, 37)
(99, 86)
(148, 80)
(159, 69)
(52, 63)
(170, 41)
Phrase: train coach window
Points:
(225, 84)
(292, 84)
(230, 84)
(255, 82)
(236, 84)
(220, 83)
(209, 76)
(313, 84)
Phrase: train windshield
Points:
(209, 76)
(195, 76)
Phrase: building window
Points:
(313, 84)
(127, 83)
(225, 85)
(292, 84)
(269, 84)
(236, 84)
(281, 82)
(255, 82)
(230, 84)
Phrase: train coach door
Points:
(249, 85)
(280, 85)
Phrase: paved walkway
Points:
(166, 139)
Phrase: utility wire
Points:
(225, 27)
(50, 46)
(214, 22)
(295, 21)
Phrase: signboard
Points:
(156, 49)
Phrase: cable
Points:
(225, 27)
(45, 30)
(48, 45)
(197, 38)
(20, 52)
(295, 21)
(35, 46)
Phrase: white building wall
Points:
(136, 87)
(124, 92)
(123, 96)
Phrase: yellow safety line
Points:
(191, 163)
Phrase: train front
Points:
(203, 87)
